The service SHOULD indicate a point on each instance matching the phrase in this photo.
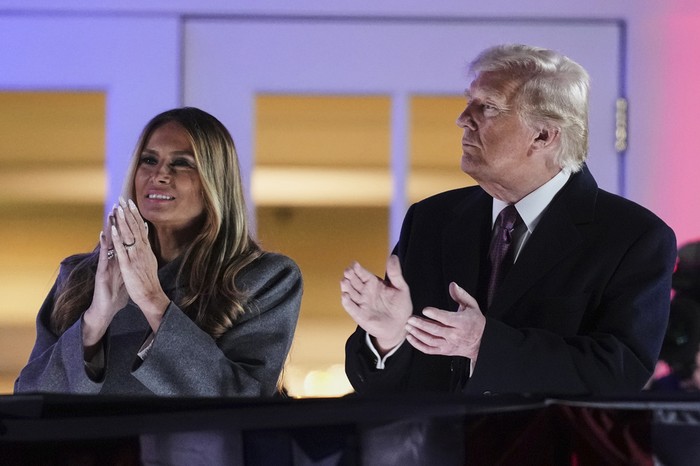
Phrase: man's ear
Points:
(546, 137)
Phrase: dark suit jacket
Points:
(582, 311)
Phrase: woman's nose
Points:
(162, 174)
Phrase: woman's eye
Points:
(148, 160)
(182, 163)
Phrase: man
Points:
(584, 304)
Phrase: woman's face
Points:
(167, 183)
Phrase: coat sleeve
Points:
(248, 359)
(56, 364)
(407, 370)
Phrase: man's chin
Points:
(468, 164)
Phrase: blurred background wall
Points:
(342, 112)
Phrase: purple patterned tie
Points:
(500, 251)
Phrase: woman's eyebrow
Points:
(177, 152)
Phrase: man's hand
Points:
(380, 307)
(449, 333)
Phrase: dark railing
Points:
(404, 430)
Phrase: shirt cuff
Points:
(146, 347)
(380, 360)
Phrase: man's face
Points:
(496, 144)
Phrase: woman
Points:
(177, 299)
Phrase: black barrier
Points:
(403, 430)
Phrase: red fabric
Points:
(561, 435)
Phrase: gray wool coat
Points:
(183, 360)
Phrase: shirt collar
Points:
(531, 207)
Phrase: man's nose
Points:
(465, 120)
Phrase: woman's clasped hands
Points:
(127, 268)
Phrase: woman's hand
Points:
(109, 295)
(138, 263)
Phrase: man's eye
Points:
(490, 110)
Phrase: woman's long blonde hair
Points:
(217, 254)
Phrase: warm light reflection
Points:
(56, 185)
(327, 382)
(321, 186)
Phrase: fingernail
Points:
(121, 212)
(122, 202)
(132, 206)
(114, 231)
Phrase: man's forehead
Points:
(481, 92)
(490, 85)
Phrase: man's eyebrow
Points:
(490, 95)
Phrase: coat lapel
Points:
(465, 242)
(556, 235)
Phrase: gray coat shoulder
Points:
(271, 279)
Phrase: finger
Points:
(393, 272)
(138, 226)
(441, 317)
(109, 221)
(127, 236)
(362, 273)
(105, 252)
(347, 287)
(126, 223)
(352, 279)
(118, 244)
(428, 326)
(464, 299)
(109, 244)
(421, 345)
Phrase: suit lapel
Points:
(555, 237)
(465, 242)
